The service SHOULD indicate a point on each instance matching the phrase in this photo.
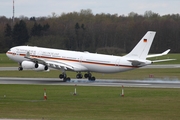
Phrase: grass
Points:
(91, 103)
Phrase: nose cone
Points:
(9, 54)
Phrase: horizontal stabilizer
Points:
(156, 55)
(162, 60)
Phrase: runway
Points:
(151, 83)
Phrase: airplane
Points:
(41, 59)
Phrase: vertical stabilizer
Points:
(141, 50)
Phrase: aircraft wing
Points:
(61, 65)
(156, 55)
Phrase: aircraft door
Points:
(80, 59)
(117, 62)
(38, 53)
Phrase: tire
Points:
(86, 75)
(92, 78)
(61, 76)
(79, 76)
(68, 79)
(20, 68)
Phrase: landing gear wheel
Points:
(92, 79)
(61, 76)
(20, 68)
(66, 79)
(87, 75)
(79, 76)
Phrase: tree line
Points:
(84, 31)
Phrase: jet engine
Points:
(29, 65)
(34, 66)
(42, 67)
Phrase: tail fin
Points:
(140, 51)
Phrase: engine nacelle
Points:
(42, 67)
(34, 66)
(29, 65)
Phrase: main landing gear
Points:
(89, 76)
(64, 77)
(78, 76)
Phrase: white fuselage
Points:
(84, 61)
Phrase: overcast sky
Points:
(39, 8)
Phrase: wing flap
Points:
(66, 65)
(59, 65)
